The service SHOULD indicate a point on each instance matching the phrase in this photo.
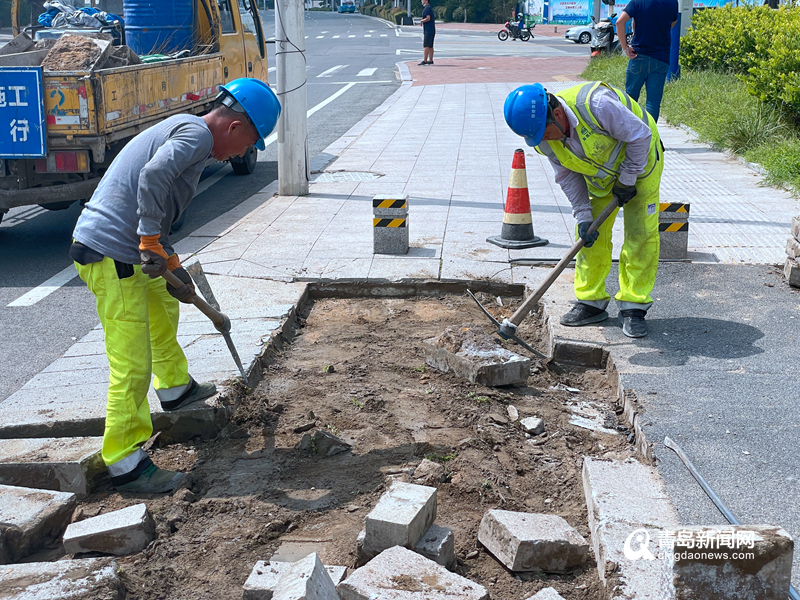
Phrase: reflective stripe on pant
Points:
(638, 259)
(140, 321)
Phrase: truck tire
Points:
(246, 164)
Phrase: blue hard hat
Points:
(525, 111)
(255, 99)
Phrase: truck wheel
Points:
(246, 164)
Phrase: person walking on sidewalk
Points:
(121, 247)
(603, 147)
(649, 48)
(428, 33)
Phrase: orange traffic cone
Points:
(517, 229)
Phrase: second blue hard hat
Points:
(525, 111)
(255, 99)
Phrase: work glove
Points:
(589, 238)
(623, 193)
(154, 259)
(186, 292)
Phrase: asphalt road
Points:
(350, 71)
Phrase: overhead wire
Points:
(291, 43)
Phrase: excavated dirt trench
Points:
(356, 369)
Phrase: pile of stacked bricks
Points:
(41, 481)
(791, 269)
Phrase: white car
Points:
(580, 35)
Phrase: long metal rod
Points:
(533, 299)
(793, 594)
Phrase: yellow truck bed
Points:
(109, 102)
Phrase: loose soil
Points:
(356, 369)
(72, 53)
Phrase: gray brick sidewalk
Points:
(448, 147)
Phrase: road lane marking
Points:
(16, 216)
(366, 72)
(336, 37)
(331, 71)
(60, 279)
(48, 287)
(351, 36)
(383, 35)
(319, 37)
(367, 35)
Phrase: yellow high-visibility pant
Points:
(638, 259)
(140, 321)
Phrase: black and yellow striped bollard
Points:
(673, 228)
(390, 224)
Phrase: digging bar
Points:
(220, 320)
(508, 328)
(669, 443)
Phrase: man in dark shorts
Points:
(428, 32)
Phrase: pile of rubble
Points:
(791, 269)
(71, 52)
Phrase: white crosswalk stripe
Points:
(331, 71)
(366, 72)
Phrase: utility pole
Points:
(290, 71)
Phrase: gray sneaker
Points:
(153, 481)
(195, 391)
(583, 314)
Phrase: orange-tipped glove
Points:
(154, 259)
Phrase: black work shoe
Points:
(195, 391)
(153, 481)
(583, 314)
(633, 324)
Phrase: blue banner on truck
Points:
(22, 123)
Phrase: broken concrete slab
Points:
(264, 577)
(438, 544)
(627, 500)
(88, 579)
(80, 411)
(119, 532)
(546, 594)
(323, 443)
(429, 472)
(31, 519)
(400, 517)
(532, 425)
(591, 425)
(532, 542)
(400, 574)
(469, 353)
(306, 579)
(719, 562)
(60, 464)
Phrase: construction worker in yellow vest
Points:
(603, 148)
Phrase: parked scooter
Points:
(515, 32)
(604, 35)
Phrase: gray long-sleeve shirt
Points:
(146, 188)
(615, 118)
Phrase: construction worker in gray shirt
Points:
(121, 248)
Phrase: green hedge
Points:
(759, 44)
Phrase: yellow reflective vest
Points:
(604, 154)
